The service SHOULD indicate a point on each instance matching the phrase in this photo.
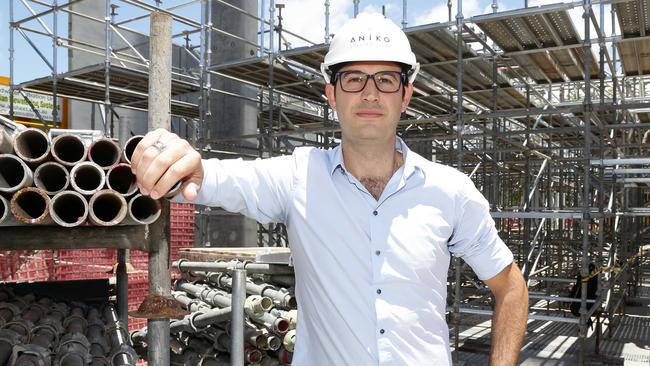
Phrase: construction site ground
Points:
(626, 342)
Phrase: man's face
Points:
(368, 115)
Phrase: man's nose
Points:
(370, 91)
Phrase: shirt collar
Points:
(411, 161)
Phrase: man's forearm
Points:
(509, 324)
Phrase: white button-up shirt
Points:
(371, 275)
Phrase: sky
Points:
(305, 17)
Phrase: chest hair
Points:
(375, 185)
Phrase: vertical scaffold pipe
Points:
(160, 50)
(237, 323)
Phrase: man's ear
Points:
(331, 97)
(408, 93)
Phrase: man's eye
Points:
(354, 79)
(386, 81)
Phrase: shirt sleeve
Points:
(475, 238)
(259, 189)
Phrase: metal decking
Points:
(128, 88)
(634, 48)
(544, 44)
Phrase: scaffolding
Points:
(553, 133)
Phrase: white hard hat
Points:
(370, 37)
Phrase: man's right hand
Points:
(158, 170)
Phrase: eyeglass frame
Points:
(403, 79)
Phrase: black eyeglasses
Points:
(353, 81)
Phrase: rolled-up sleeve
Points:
(475, 238)
(259, 189)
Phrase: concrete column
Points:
(232, 116)
(80, 114)
(159, 108)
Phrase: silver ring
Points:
(161, 146)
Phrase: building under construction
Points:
(548, 116)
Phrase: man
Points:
(371, 224)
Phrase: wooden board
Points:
(228, 254)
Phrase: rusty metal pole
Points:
(160, 71)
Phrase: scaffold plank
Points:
(128, 87)
(634, 49)
(547, 28)
(256, 71)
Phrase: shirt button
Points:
(377, 252)
(378, 291)
(381, 331)
(375, 213)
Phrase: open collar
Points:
(411, 161)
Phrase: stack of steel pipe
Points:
(204, 336)
(62, 181)
(45, 332)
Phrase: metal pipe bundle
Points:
(95, 334)
(107, 208)
(32, 146)
(75, 322)
(48, 333)
(104, 152)
(48, 168)
(87, 178)
(291, 316)
(281, 298)
(69, 149)
(6, 217)
(14, 174)
(51, 177)
(129, 148)
(8, 340)
(268, 327)
(6, 142)
(204, 293)
(73, 350)
(31, 205)
(143, 210)
(192, 305)
(43, 338)
(187, 357)
(120, 179)
(261, 268)
(200, 320)
(122, 354)
(69, 208)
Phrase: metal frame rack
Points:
(552, 132)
